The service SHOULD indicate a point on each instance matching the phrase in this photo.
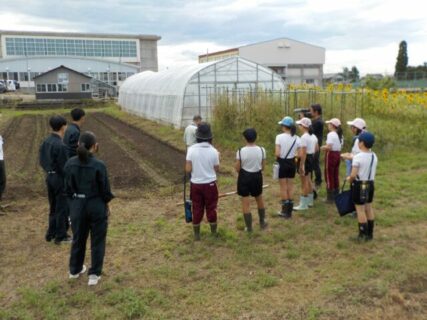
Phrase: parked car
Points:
(10, 85)
(2, 86)
(17, 85)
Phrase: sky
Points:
(362, 33)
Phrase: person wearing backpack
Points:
(250, 162)
(287, 144)
(362, 185)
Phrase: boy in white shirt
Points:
(362, 179)
(250, 161)
(202, 162)
(190, 131)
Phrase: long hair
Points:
(86, 142)
(340, 133)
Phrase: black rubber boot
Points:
(196, 229)
(261, 214)
(285, 205)
(290, 208)
(329, 196)
(371, 224)
(363, 232)
(214, 228)
(248, 221)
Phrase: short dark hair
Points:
(250, 135)
(197, 118)
(57, 122)
(77, 114)
(317, 108)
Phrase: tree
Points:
(402, 59)
(354, 74)
(345, 74)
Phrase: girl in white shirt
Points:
(308, 146)
(357, 126)
(334, 142)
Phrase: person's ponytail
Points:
(82, 153)
(86, 142)
(293, 129)
(310, 130)
(340, 133)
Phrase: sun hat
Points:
(305, 122)
(334, 121)
(204, 132)
(287, 122)
(359, 123)
(367, 138)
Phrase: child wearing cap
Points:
(202, 161)
(362, 181)
(357, 126)
(334, 143)
(250, 161)
(287, 145)
(308, 146)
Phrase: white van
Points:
(10, 85)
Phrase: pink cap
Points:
(359, 123)
(335, 121)
(305, 122)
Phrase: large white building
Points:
(110, 58)
(295, 61)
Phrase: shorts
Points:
(249, 183)
(287, 168)
(362, 192)
(308, 165)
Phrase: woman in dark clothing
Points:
(88, 190)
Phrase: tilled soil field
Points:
(134, 159)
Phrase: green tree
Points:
(345, 74)
(402, 59)
(354, 74)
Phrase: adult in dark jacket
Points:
(317, 125)
(72, 134)
(88, 190)
(53, 156)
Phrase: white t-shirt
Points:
(252, 157)
(203, 157)
(362, 161)
(285, 141)
(1, 148)
(333, 139)
(190, 135)
(355, 149)
(308, 141)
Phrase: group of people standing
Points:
(294, 154)
(78, 192)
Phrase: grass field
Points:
(306, 268)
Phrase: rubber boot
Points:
(290, 208)
(214, 228)
(303, 204)
(248, 221)
(285, 205)
(371, 224)
(261, 215)
(310, 201)
(329, 196)
(363, 232)
(196, 229)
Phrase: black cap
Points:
(204, 131)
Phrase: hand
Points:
(348, 178)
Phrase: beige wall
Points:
(75, 79)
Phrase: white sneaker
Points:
(93, 279)
(75, 276)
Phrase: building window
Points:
(41, 88)
(85, 87)
(62, 87)
(51, 87)
(309, 81)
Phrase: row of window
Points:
(70, 47)
(103, 76)
(57, 87)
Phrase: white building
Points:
(110, 58)
(295, 61)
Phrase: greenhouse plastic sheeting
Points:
(174, 96)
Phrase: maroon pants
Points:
(204, 196)
(332, 166)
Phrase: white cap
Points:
(305, 122)
(359, 123)
(335, 121)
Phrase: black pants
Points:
(316, 168)
(88, 215)
(2, 178)
(58, 207)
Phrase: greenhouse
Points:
(174, 96)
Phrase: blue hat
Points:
(287, 122)
(367, 138)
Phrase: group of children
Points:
(294, 154)
(78, 193)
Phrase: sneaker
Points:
(75, 276)
(93, 279)
(68, 239)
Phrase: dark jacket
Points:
(317, 125)
(71, 139)
(90, 179)
(53, 154)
